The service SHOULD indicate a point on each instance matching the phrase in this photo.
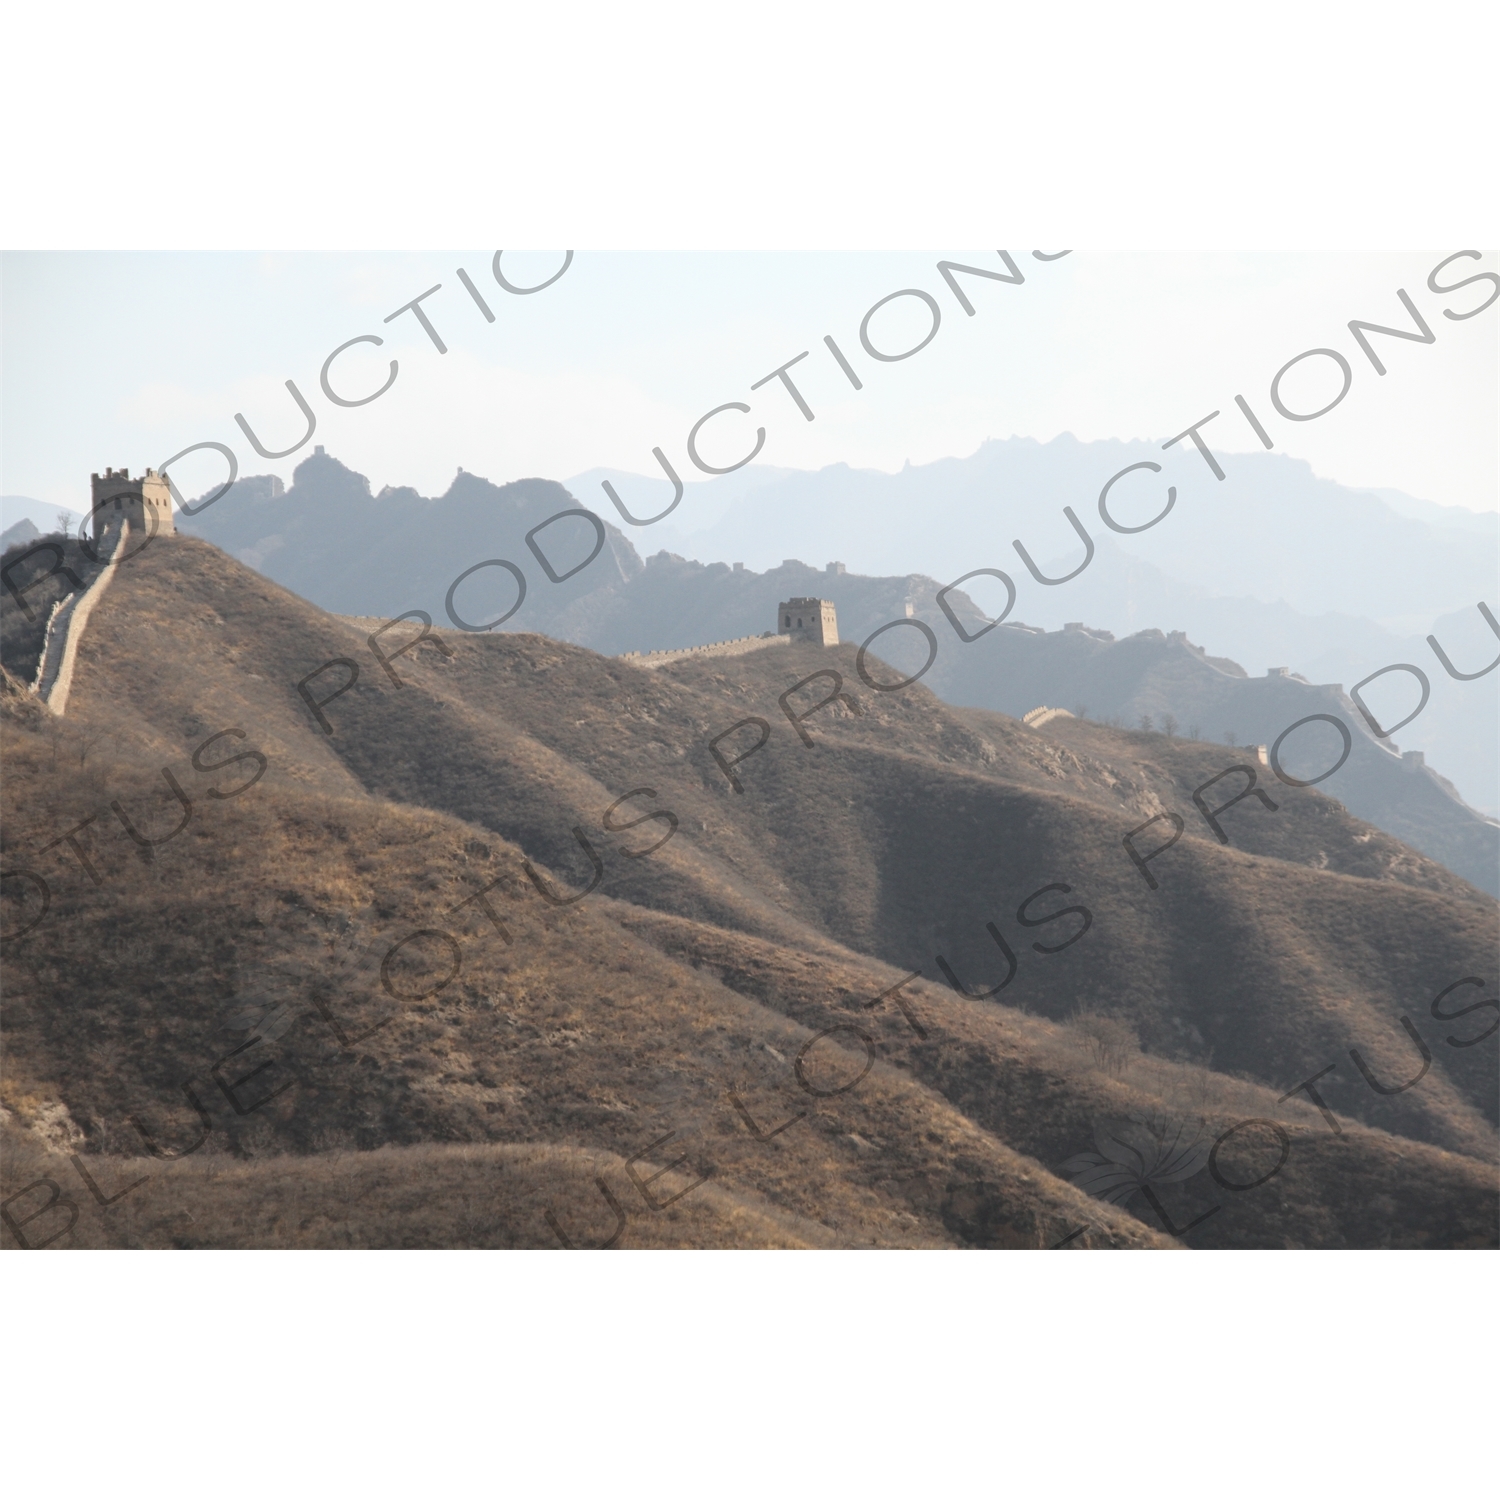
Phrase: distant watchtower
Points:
(812, 620)
(145, 502)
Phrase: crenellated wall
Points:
(737, 647)
(65, 627)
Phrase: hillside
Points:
(1271, 565)
(329, 540)
(305, 979)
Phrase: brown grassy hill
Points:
(1041, 1086)
(128, 1007)
(412, 1198)
(585, 1032)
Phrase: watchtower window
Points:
(788, 622)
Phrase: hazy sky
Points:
(123, 359)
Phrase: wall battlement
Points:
(813, 620)
(146, 502)
(737, 647)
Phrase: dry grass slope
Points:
(456, 1089)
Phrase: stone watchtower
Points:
(812, 620)
(145, 502)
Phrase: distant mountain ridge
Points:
(333, 541)
(1270, 530)
(1271, 566)
(17, 508)
(14, 536)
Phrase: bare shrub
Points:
(1110, 1041)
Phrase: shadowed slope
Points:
(336, 895)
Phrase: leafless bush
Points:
(88, 739)
(1111, 1042)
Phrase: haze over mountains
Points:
(1269, 530)
(1271, 567)
(332, 541)
(886, 974)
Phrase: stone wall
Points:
(65, 627)
(737, 647)
(1043, 715)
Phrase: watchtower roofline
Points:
(146, 502)
(813, 620)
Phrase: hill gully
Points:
(798, 722)
(1308, 1086)
(761, 1132)
(797, 716)
(1211, 816)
